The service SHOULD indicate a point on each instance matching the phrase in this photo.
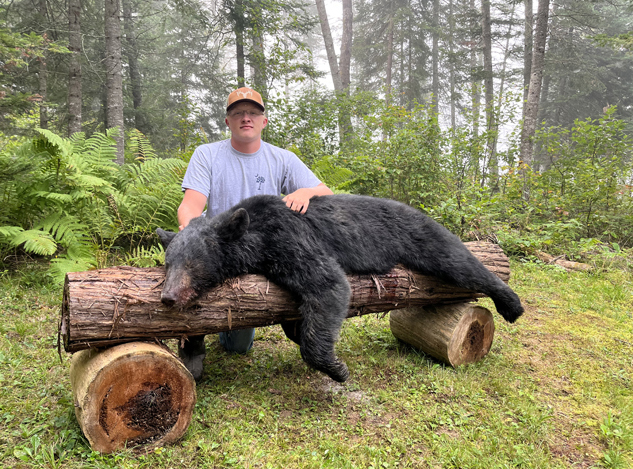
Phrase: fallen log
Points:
(455, 334)
(105, 307)
(136, 394)
(564, 263)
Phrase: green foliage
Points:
(333, 176)
(587, 178)
(17, 52)
(307, 125)
(395, 153)
(74, 202)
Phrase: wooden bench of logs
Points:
(131, 390)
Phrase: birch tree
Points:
(536, 78)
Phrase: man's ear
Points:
(165, 237)
(235, 227)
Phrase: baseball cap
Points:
(245, 94)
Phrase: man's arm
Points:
(300, 199)
(192, 206)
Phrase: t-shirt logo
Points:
(260, 180)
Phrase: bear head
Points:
(200, 256)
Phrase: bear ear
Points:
(165, 237)
(235, 227)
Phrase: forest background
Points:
(506, 121)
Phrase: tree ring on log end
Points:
(456, 334)
(135, 394)
(472, 337)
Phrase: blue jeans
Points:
(239, 341)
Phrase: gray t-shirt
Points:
(227, 176)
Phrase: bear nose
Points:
(168, 299)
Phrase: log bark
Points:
(122, 304)
(455, 334)
(135, 394)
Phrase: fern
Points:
(77, 202)
(146, 257)
(64, 146)
(139, 146)
(10, 231)
(61, 266)
(36, 242)
(332, 175)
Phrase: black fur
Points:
(310, 254)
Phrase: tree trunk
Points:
(122, 304)
(258, 63)
(114, 74)
(489, 92)
(346, 46)
(528, 40)
(475, 83)
(74, 68)
(136, 394)
(506, 56)
(135, 74)
(329, 46)
(340, 73)
(43, 71)
(536, 78)
(436, 54)
(43, 80)
(451, 35)
(389, 65)
(239, 42)
(456, 334)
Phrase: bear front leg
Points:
(292, 329)
(323, 316)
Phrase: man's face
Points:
(246, 122)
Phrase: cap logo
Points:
(244, 94)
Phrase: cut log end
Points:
(455, 334)
(131, 395)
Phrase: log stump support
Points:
(134, 394)
(454, 334)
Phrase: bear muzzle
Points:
(177, 293)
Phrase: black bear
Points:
(309, 255)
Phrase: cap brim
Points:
(243, 101)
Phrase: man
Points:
(224, 173)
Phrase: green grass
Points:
(555, 391)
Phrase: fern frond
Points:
(64, 145)
(330, 174)
(142, 256)
(61, 198)
(35, 241)
(10, 231)
(100, 149)
(61, 266)
(69, 232)
(140, 146)
(88, 180)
